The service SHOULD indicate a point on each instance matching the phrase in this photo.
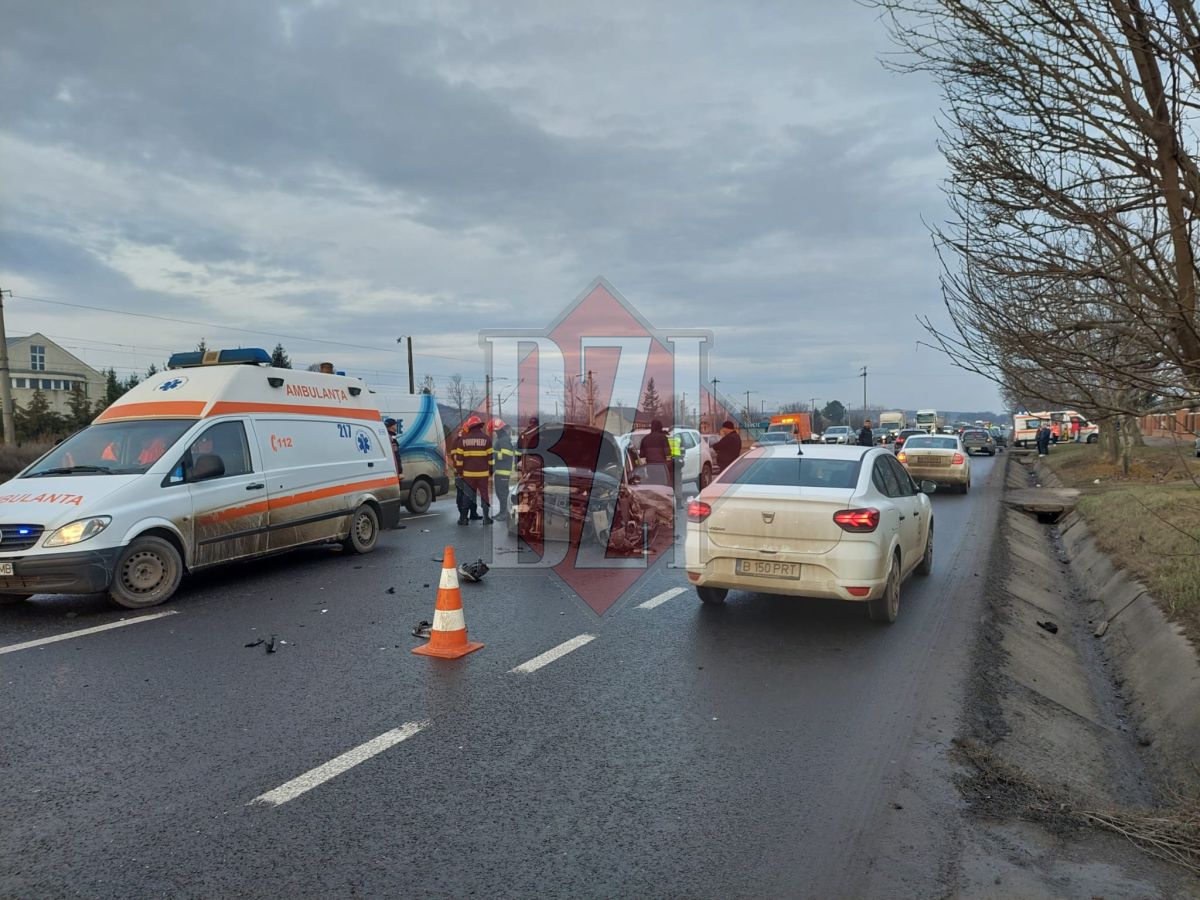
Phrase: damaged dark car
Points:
(574, 483)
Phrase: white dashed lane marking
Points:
(339, 764)
(552, 654)
(70, 635)
(661, 598)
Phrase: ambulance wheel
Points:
(147, 573)
(420, 495)
(364, 530)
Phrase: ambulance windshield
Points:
(114, 448)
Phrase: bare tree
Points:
(426, 386)
(474, 396)
(456, 392)
(1069, 264)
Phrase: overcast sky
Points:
(326, 172)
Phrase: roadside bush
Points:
(15, 457)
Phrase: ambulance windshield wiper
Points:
(74, 470)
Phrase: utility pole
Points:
(6, 402)
(487, 395)
(749, 411)
(412, 383)
(863, 376)
(591, 395)
(712, 403)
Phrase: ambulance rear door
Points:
(315, 467)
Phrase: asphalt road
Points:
(770, 747)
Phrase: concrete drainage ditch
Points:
(1085, 711)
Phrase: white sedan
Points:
(812, 520)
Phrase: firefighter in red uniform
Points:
(475, 464)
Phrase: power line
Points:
(270, 334)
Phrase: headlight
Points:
(78, 531)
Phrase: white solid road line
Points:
(339, 764)
(661, 598)
(552, 654)
(13, 648)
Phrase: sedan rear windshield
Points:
(793, 471)
(975, 436)
(935, 443)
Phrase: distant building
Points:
(616, 419)
(37, 363)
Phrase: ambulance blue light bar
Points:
(243, 356)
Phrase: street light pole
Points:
(863, 376)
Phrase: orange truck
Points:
(798, 424)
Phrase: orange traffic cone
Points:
(448, 637)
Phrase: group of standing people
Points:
(481, 460)
(1042, 438)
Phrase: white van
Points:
(422, 447)
(219, 458)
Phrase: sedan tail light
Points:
(858, 521)
(698, 511)
(901, 456)
(958, 459)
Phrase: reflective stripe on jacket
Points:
(478, 458)
(504, 461)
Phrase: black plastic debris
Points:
(256, 643)
(473, 571)
(271, 647)
(1048, 626)
(422, 629)
(390, 590)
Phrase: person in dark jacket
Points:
(729, 447)
(866, 437)
(656, 448)
(392, 427)
(474, 460)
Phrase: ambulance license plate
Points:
(6, 568)
(765, 568)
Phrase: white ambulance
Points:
(219, 458)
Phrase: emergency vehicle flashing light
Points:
(242, 356)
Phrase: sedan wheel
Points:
(886, 608)
(925, 566)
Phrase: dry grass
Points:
(1172, 834)
(1147, 522)
(1079, 465)
(13, 458)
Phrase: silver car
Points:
(838, 434)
